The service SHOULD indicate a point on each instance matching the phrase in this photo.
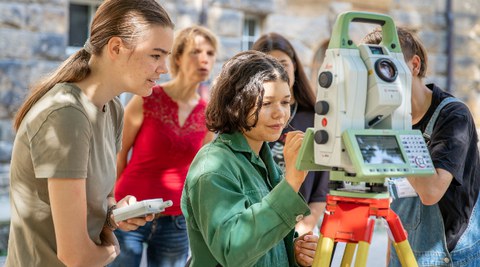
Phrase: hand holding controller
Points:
(141, 208)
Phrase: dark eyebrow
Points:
(161, 50)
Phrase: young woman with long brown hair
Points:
(69, 131)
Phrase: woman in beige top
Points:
(63, 166)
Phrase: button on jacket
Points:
(239, 209)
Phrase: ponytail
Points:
(112, 18)
(74, 69)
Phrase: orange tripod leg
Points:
(350, 220)
(401, 245)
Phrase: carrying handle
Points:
(341, 39)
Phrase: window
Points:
(251, 31)
(81, 13)
(80, 17)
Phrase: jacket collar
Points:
(237, 142)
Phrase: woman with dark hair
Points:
(165, 130)
(241, 209)
(69, 131)
(315, 187)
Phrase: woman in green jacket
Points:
(240, 208)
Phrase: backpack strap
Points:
(431, 123)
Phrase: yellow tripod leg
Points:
(399, 254)
(323, 253)
(405, 254)
(362, 254)
(348, 255)
(316, 258)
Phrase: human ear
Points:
(416, 65)
(114, 45)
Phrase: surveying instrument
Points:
(362, 135)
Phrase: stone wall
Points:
(33, 39)
(310, 22)
(32, 42)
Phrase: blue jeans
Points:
(426, 235)
(166, 239)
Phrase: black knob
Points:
(322, 107)
(321, 137)
(325, 79)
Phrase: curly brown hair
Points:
(239, 88)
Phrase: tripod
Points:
(348, 218)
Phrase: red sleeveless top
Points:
(162, 151)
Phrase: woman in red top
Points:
(165, 130)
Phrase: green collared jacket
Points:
(239, 209)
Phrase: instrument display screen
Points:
(380, 149)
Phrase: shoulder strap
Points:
(429, 129)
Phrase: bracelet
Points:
(108, 220)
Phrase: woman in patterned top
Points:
(165, 131)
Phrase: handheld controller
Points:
(141, 208)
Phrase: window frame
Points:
(92, 8)
(250, 39)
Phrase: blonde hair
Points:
(186, 37)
